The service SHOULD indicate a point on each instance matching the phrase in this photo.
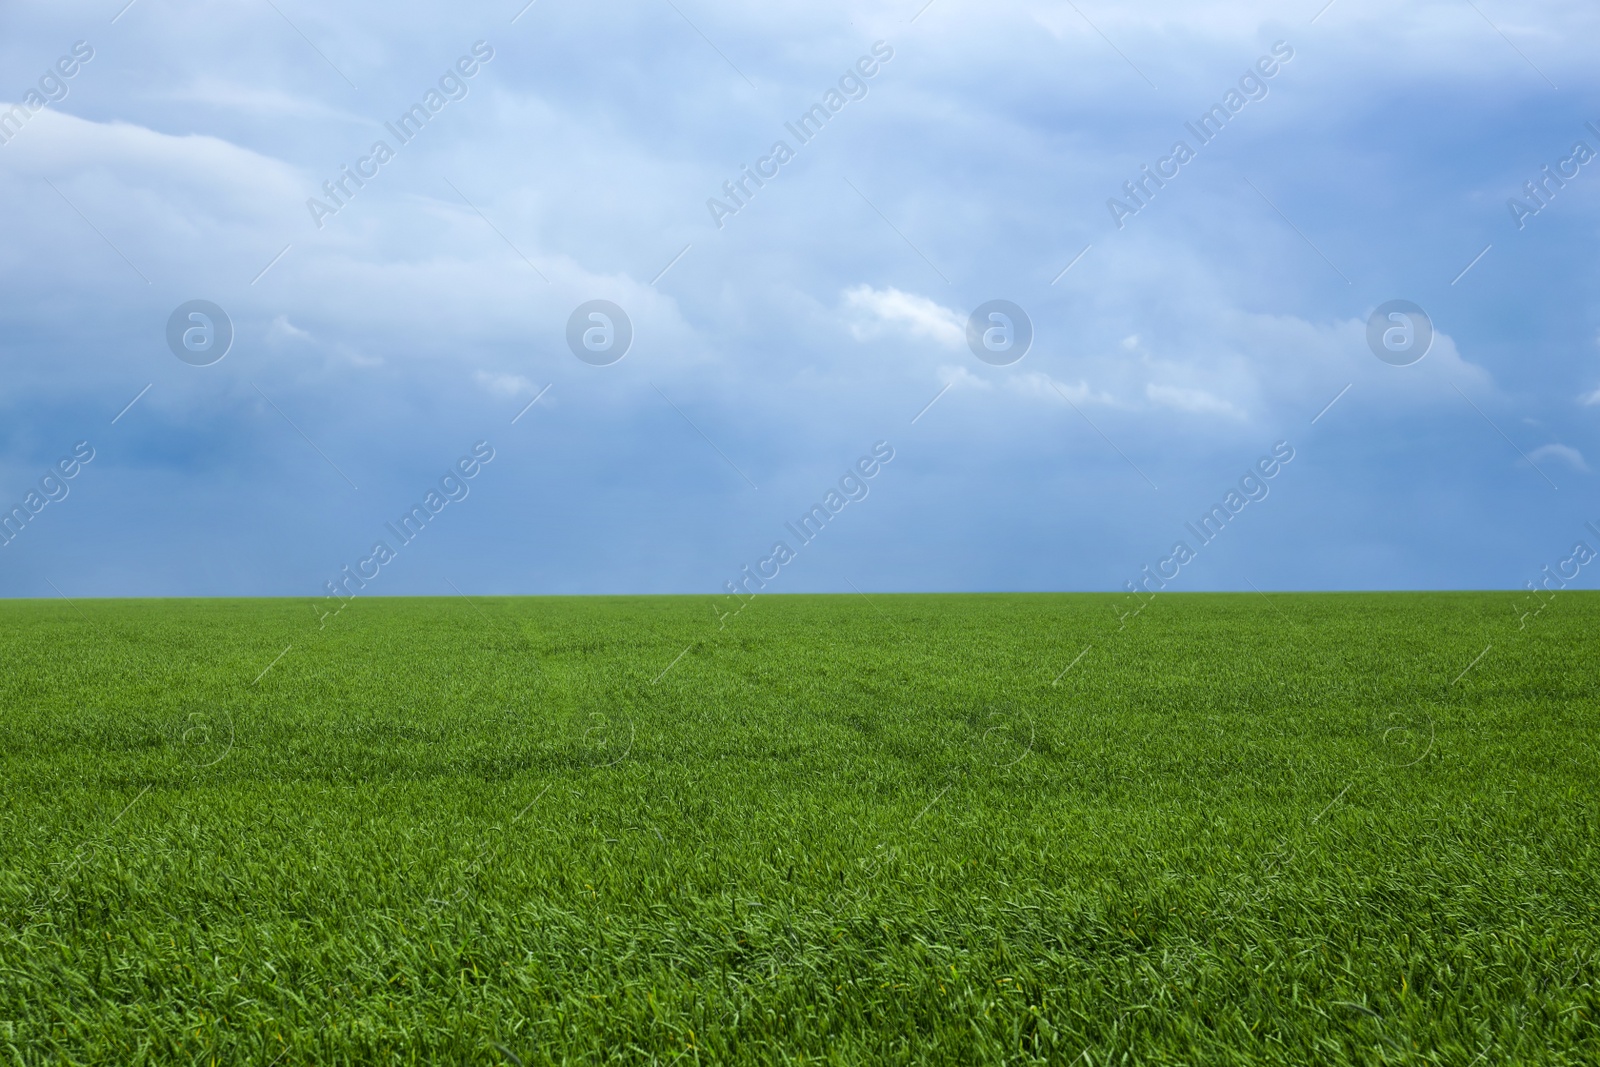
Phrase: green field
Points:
(1238, 829)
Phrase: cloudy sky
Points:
(779, 332)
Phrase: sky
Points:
(762, 347)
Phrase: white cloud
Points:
(283, 329)
(1566, 453)
(954, 374)
(202, 166)
(1042, 385)
(1195, 401)
(257, 100)
(504, 384)
(359, 358)
(916, 315)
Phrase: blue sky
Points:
(976, 163)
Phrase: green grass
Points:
(1239, 830)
